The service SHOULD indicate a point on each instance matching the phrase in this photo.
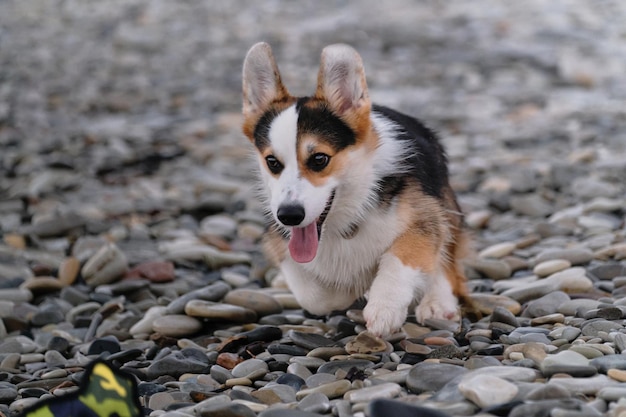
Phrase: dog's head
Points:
(304, 144)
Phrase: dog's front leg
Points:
(410, 268)
(391, 293)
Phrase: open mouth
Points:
(305, 240)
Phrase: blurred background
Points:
(125, 106)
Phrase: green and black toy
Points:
(104, 392)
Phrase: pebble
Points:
(386, 390)
(567, 362)
(105, 266)
(219, 311)
(176, 325)
(572, 280)
(546, 268)
(331, 390)
(262, 304)
(425, 377)
(486, 390)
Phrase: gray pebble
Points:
(425, 377)
(249, 366)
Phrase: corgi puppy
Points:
(357, 193)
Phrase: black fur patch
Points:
(427, 163)
(262, 129)
(320, 121)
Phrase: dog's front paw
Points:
(436, 308)
(383, 320)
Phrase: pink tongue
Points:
(303, 243)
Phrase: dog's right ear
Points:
(261, 81)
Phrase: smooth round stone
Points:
(248, 367)
(570, 307)
(315, 403)
(568, 362)
(574, 256)
(546, 408)
(331, 390)
(54, 358)
(8, 392)
(153, 271)
(425, 377)
(386, 390)
(612, 393)
(58, 343)
(486, 390)
(587, 351)
(334, 366)
(178, 363)
(604, 363)
(262, 304)
(220, 374)
(365, 342)
(497, 251)
(584, 386)
(487, 303)
(176, 325)
(617, 374)
(43, 284)
(17, 295)
(491, 268)
(47, 316)
(68, 270)
(291, 380)
(547, 392)
(299, 370)
(309, 340)
(316, 380)
(108, 344)
(510, 373)
(144, 325)
(568, 333)
(593, 328)
(572, 280)
(283, 349)
(549, 319)
(502, 315)
(105, 266)
(213, 292)
(546, 268)
(326, 352)
(274, 394)
(219, 311)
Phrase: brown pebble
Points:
(43, 284)
(15, 241)
(416, 348)
(68, 271)
(437, 341)
(617, 374)
(365, 342)
(154, 271)
(228, 360)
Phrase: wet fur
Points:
(394, 230)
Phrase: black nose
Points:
(290, 215)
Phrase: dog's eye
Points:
(273, 164)
(318, 161)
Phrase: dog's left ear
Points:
(341, 82)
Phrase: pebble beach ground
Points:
(130, 228)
